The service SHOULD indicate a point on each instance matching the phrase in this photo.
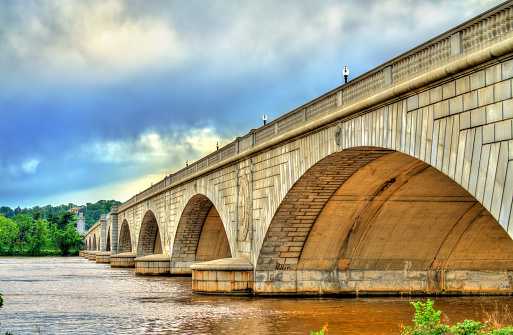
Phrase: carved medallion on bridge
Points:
(244, 206)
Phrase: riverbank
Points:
(38, 254)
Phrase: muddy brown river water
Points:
(56, 295)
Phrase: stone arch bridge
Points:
(400, 181)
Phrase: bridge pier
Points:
(153, 265)
(91, 255)
(383, 282)
(233, 276)
(123, 260)
(181, 268)
(103, 257)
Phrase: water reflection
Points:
(76, 296)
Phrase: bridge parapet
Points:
(489, 28)
(399, 181)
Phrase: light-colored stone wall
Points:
(447, 103)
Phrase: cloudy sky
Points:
(98, 99)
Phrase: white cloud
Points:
(30, 166)
(27, 167)
(152, 147)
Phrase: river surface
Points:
(57, 295)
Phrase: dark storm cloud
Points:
(104, 92)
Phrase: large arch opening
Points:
(90, 244)
(371, 210)
(149, 237)
(125, 239)
(95, 246)
(200, 236)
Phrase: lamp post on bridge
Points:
(345, 72)
(264, 118)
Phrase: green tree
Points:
(61, 220)
(25, 226)
(66, 239)
(38, 239)
(8, 233)
(7, 211)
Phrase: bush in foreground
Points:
(427, 322)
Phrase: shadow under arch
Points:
(149, 236)
(95, 245)
(125, 238)
(373, 209)
(107, 247)
(200, 236)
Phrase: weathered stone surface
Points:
(103, 257)
(223, 276)
(123, 260)
(91, 255)
(392, 182)
(153, 265)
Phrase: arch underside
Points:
(200, 236)
(125, 239)
(107, 247)
(149, 237)
(95, 244)
(371, 208)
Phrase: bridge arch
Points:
(107, 247)
(95, 245)
(150, 240)
(374, 208)
(125, 238)
(200, 235)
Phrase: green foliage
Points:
(30, 236)
(8, 235)
(1, 301)
(427, 322)
(323, 331)
(92, 212)
(66, 239)
(38, 240)
(61, 220)
(7, 212)
(503, 331)
(25, 227)
(469, 327)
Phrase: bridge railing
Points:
(491, 27)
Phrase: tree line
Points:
(91, 212)
(34, 236)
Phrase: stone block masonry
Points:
(400, 181)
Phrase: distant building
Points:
(75, 210)
(81, 224)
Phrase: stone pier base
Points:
(232, 276)
(181, 268)
(124, 260)
(91, 255)
(153, 265)
(384, 282)
(103, 257)
(81, 253)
